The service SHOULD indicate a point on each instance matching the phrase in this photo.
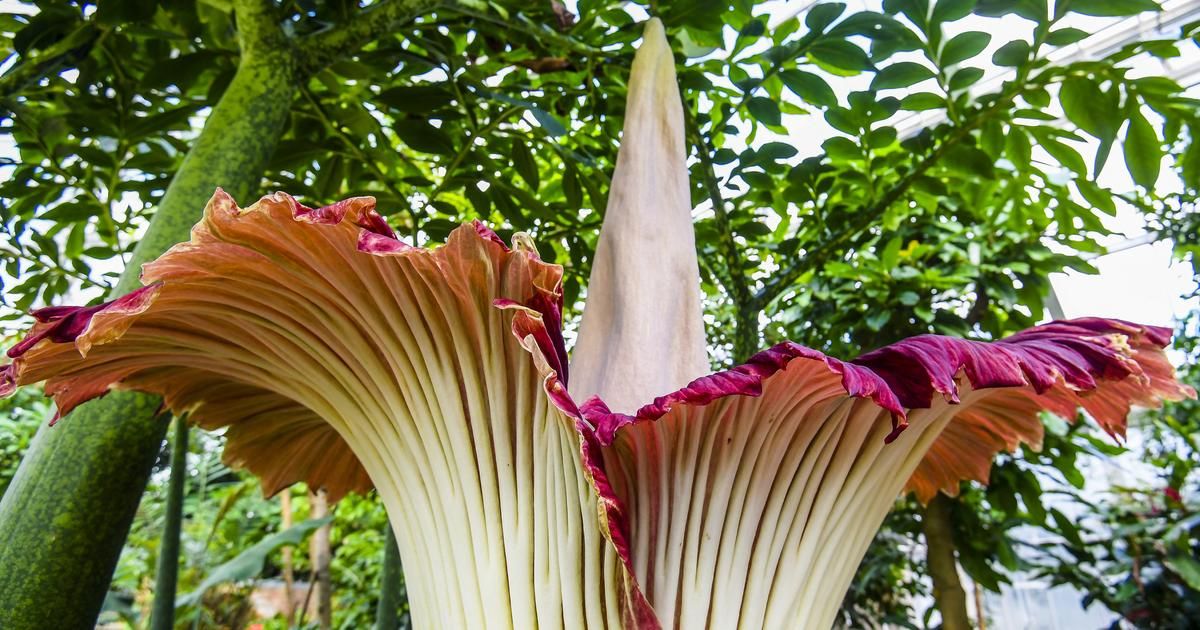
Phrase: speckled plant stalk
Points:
(335, 354)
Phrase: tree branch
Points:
(318, 50)
(745, 339)
(521, 24)
(786, 277)
(74, 46)
(258, 27)
(948, 592)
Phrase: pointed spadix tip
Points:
(654, 39)
(652, 77)
(653, 28)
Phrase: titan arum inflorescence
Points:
(333, 353)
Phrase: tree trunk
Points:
(65, 517)
(319, 556)
(289, 578)
(980, 612)
(948, 593)
(166, 577)
(387, 613)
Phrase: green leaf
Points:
(115, 12)
(1190, 167)
(753, 228)
(480, 200)
(752, 28)
(757, 180)
(1017, 148)
(877, 320)
(1066, 36)
(1034, 114)
(951, 10)
(1186, 567)
(1012, 54)
(525, 164)
(822, 15)
(964, 78)
(250, 563)
(74, 245)
(964, 46)
(809, 87)
(79, 209)
(172, 118)
(900, 75)
(991, 138)
(915, 10)
(764, 110)
(422, 136)
(775, 151)
(881, 137)
(1006, 555)
(922, 101)
(1113, 8)
(969, 160)
(1031, 495)
(1089, 108)
(1034, 10)
(839, 148)
(843, 120)
(873, 25)
(1099, 198)
(891, 253)
(1068, 529)
(1143, 151)
(1066, 156)
(701, 15)
(1038, 97)
(839, 54)
(571, 187)
(691, 48)
(547, 121)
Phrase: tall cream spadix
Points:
(642, 333)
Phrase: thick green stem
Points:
(387, 615)
(231, 153)
(324, 47)
(163, 616)
(948, 593)
(65, 517)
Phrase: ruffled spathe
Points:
(323, 288)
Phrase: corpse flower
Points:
(333, 353)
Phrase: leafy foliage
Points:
(250, 562)
(20, 417)
(1139, 554)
